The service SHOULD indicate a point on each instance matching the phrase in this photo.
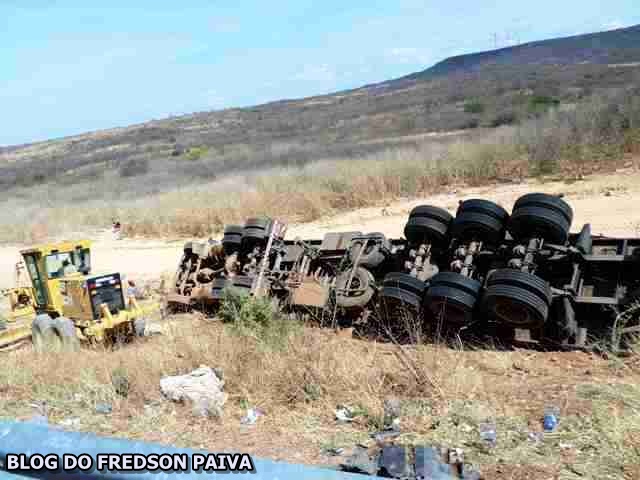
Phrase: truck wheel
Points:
(539, 215)
(481, 220)
(428, 224)
(516, 298)
(40, 330)
(363, 281)
(453, 296)
(232, 238)
(402, 288)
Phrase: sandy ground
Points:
(611, 203)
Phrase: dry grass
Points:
(300, 385)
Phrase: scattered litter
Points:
(344, 414)
(407, 462)
(252, 416)
(41, 415)
(334, 452)
(104, 408)
(381, 437)
(72, 422)
(202, 387)
(488, 433)
(550, 419)
(153, 329)
(536, 437)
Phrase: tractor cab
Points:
(48, 265)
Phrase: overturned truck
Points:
(519, 276)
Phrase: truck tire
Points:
(516, 298)
(479, 220)
(428, 224)
(538, 215)
(546, 201)
(398, 287)
(453, 296)
(232, 238)
(362, 280)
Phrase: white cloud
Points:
(407, 55)
(317, 73)
(614, 25)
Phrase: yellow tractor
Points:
(64, 303)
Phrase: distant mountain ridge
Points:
(613, 46)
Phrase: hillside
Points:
(483, 89)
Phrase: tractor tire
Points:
(40, 331)
(479, 220)
(66, 330)
(255, 232)
(402, 288)
(363, 280)
(538, 222)
(453, 297)
(374, 255)
(232, 238)
(139, 327)
(518, 299)
(428, 224)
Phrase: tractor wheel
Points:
(139, 327)
(363, 283)
(538, 215)
(452, 297)
(516, 298)
(428, 224)
(54, 335)
(480, 220)
(40, 331)
(232, 238)
(375, 253)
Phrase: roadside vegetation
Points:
(567, 141)
(299, 375)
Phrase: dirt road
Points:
(611, 203)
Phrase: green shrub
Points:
(474, 106)
(258, 318)
(542, 103)
(196, 153)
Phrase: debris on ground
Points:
(201, 387)
(72, 422)
(252, 416)
(41, 413)
(344, 414)
(104, 408)
(335, 451)
(408, 462)
(392, 410)
(550, 419)
(488, 433)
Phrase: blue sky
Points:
(70, 66)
